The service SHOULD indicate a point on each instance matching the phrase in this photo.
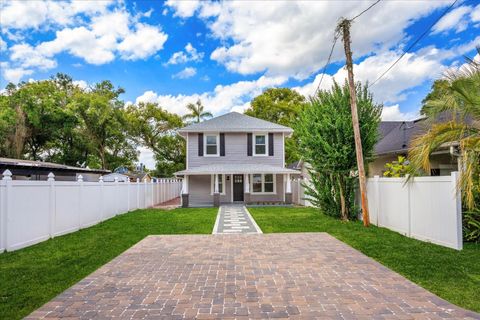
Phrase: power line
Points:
(358, 15)
(335, 38)
(414, 43)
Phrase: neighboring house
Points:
(39, 170)
(235, 158)
(139, 174)
(111, 177)
(395, 138)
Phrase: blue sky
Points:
(226, 53)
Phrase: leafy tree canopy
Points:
(282, 106)
(326, 141)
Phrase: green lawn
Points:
(32, 276)
(450, 274)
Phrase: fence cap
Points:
(51, 177)
(80, 178)
(100, 179)
(7, 175)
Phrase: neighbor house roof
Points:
(40, 166)
(229, 168)
(395, 136)
(235, 122)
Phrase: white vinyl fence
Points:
(425, 208)
(34, 211)
(298, 192)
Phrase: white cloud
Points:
(12, 74)
(455, 19)
(393, 113)
(186, 73)
(222, 99)
(411, 71)
(475, 14)
(81, 83)
(3, 45)
(146, 157)
(28, 57)
(190, 54)
(37, 14)
(143, 43)
(184, 8)
(110, 32)
(293, 38)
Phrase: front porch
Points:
(248, 185)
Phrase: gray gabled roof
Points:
(235, 122)
(396, 136)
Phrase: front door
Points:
(238, 187)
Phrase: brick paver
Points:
(256, 276)
(234, 219)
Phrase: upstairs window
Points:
(211, 145)
(261, 145)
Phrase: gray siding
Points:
(199, 188)
(235, 151)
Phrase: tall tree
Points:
(459, 97)
(326, 140)
(155, 128)
(282, 106)
(197, 112)
(104, 122)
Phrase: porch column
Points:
(288, 189)
(216, 193)
(246, 194)
(184, 191)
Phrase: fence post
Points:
(128, 194)
(409, 199)
(7, 179)
(102, 198)
(80, 201)
(376, 181)
(153, 193)
(51, 203)
(116, 202)
(458, 210)
(138, 193)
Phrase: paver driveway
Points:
(256, 276)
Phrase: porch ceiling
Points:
(235, 169)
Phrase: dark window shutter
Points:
(270, 144)
(200, 144)
(249, 144)
(222, 144)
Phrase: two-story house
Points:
(235, 158)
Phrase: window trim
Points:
(217, 138)
(212, 184)
(254, 144)
(263, 183)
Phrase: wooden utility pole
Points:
(344, 28)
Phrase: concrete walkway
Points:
(232, 219)
(246, 276)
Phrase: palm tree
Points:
(460, 99)
(197, 112)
